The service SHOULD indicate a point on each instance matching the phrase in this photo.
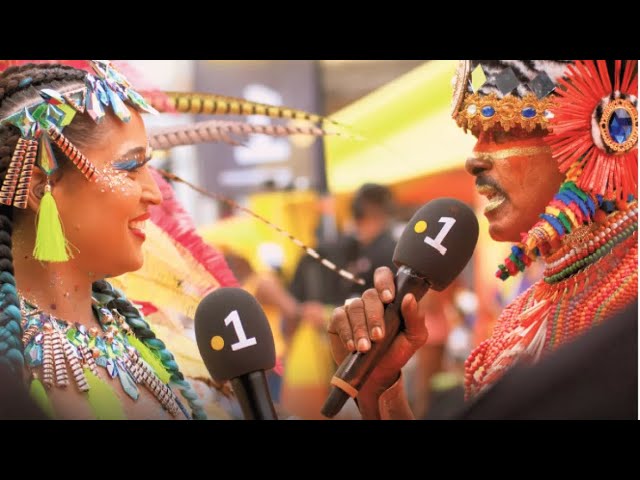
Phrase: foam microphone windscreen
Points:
(233, 334)
(438, 241)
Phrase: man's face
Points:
(516, 173)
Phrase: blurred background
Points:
(348, 196)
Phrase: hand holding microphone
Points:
(353, 329)
(373, 337)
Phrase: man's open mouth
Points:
(495, 197)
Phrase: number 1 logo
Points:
(437, 242)
(243, 341)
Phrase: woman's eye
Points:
(128, 165)
(131, 165)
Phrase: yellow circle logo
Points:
(420, 226)
(217, 342)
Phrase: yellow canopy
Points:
(407, 128)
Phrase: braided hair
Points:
(14, 83)
(144, 333)
(15, 92)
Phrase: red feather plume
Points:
(171, 217)
(613, 175)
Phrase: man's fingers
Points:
(384, 283)
(340, 326)
(358, 321)
(374, 312)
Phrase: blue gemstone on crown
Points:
(488, 111)
(528, 112)
(620, 126)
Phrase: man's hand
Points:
(361, 321)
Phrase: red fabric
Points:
(146, 308)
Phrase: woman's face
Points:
(105, 220)
(519, 177)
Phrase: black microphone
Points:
(236, 344)
(433, 249)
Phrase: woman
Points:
(87, 350)
(75, 197)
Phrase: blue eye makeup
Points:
(133, 162)
(128, 165)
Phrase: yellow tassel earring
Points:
(51, 244)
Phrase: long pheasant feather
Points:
(223, 131)
(214, 104)
(308, 250)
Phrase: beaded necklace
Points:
(58, 347)
(592, 275)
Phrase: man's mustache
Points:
(483, 180)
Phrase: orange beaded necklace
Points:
(593, 274)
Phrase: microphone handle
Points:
(252, 392)
(357, 366)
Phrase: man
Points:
(369, 246)
(557, 158)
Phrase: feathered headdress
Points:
(589, 109)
